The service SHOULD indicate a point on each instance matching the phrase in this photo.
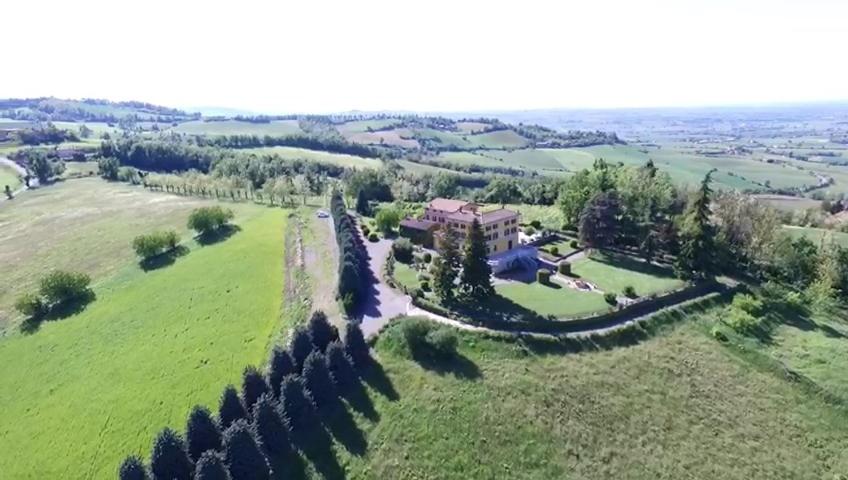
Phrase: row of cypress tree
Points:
(272, 411)
(353, 264)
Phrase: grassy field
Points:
(387, 137)
(86, 225)
(611, 273)
(8, 176)
(340, 159)
(497, 139)
(554, 299)
(235, 127)
(817, 235)
(406, 275)
(80, 169)
(676, 406)
(87, 390)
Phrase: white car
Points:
(323, 214)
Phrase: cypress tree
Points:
(231, 408)
(243, 455)
(476, 275)
(281, 365)
(132, 469)
(320, 331)
(202, 433)
(697, 236)
(357, 349)
(270, 426)
(340, 367)
(253, 386)
(296, 406)
(300, 348)
(319, 382)
(211, 466)
(169, 460)
(362, 206)
(446, 265)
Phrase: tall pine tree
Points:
(296, 405)
(362, 206)
(476, 275)
(319, 382)
(202, 433)
(281, 365)
(253, 386)
(698, 254)
(599, 221)
(446, 265)
(320, 331)
(244, 457)
(340, 366)
(231, 408)
(169, 460)
(211, 466)
(270, 426)
(132, 469)
(356, 347)
(300, 347)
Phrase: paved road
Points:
(383, 303)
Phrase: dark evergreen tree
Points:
(253, 386)
(202, 433)
(296, 405)
(340, 367)
(300, 347)
(169, 460)
(320, 331)
(211, 466)
(446, 265)
(476, 279)
(362, 206)
(599, 221)
(697, 257)
(132, 469)
(270, 426)
(243, 455)
(231, 408)
(281, 365)
(319, 382)
(356, 347)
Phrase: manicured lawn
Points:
(81, 393)
(406, 275)
(555, 300)
(676, 406)
(611, 273)
(563, 247)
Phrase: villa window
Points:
(494, 248)
(495, 236)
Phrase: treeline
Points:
(48, 133)
(258, 432)
(354, 275)
(334, 145)
(48, 108)
(474, 168)
(547, 137)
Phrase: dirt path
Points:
(321, 263)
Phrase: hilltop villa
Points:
(500, 227)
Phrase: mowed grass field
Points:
(679, 405)
(8, 176)
(817, 235)
(81, 393)
(235, 127)
(611, 273)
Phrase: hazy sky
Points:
(320, 56)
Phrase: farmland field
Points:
(340, 159)
(235, 127)
(89, 389)
(9, 176)
(817, 235)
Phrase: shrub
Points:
(205, 220)
(300, 347)
(355, 345)
(427, 257)
(169, 459)
(564, 268)
(425, 285)
(529, 231)
(536, 224)
(132, 469)
(241, 450)
(555, 251)
(748, 304)
(270, 426)
(402, 249)
(340, 366)
(253, 386)
(202, 433)
(230, 408)
(574, 244)
(741, 321)
(31, 305)
(281, 365)
(296, 405)
(543, 276)
(388, 218)
(108, 167)
(366, 231)
(61, 286)
(211, 467)
(320, 331)
(373, 237)
(318, 381)
(443, 341)
(629, 291)
(147, 246)
(415, 331)
(417, 293)
(609, 297)
(423, 276)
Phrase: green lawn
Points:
(80, 169)
(235, 127)
(563, 247)
(611, 273)
(676, 406)
(8, 176)
(81, 393)
(406, 275)
(555, 299)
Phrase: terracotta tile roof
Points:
(498, 215)
(446, 204)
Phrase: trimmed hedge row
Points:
(353, 259)
(271, 415)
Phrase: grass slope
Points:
(611, 273)
(817, 235)
(8, 176)
(235, 127)
(83, 392)
(340, 159)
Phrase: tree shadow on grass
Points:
(58, 312)
(625, 262)
(358, 399)
(218, 235)
(163, 260)
(376, 377)
(340, 424)
(317, 446)
(454, 364)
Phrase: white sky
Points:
(320, 56)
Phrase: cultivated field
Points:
(235, 127)
(86, 390)
(340, 159)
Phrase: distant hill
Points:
(89, 110)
